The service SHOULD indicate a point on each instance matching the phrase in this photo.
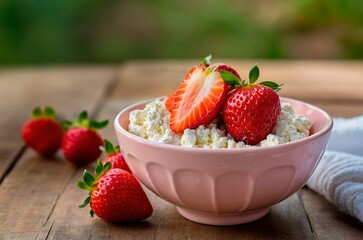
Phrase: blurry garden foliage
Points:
(107, 31)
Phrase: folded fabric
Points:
(339, 175)
(339, 178)
(347, 135)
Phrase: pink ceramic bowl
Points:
(225, 186)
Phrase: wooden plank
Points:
(305, 79)
(40, 197)
(341, 109)
(67, 90)
(29, 193)
(289, 219)
(327, 221)
(8, 153)
(62, 88)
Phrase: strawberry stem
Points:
(254, 74)
(48, 112)
(110, 149)
(84, 122)
(207, 60)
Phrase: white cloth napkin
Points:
(339, 175)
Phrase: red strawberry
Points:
(81, 143)
(115, 195)
(223, 66)
(42, 133)
(219, 66)
(169, 101)
(115, 157)
(251, 111)
(198, 99)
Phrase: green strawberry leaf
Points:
(49, 112)
(66, 124)
(83, 119)
(88, 178)
(109, 149)
(254, 74)
(86, 202)
(37, 112)
(207, 60)
(98, 125)
(117, 149)
(107, 166)
(92, 213)
(272, 85)
(230, 78)
(99, 169)
(83, 186)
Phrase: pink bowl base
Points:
(222, 219)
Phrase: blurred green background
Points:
(110, 31)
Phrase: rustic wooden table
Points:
(39, 198)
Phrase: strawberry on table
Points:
(42, 133)
(250, 112)
(115, 195)
(198, 99)
(115, 157)
(81, 142)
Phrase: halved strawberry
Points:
(169, 101)
(198, 99)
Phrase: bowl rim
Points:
(254, 149)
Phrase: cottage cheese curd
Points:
(152, 123)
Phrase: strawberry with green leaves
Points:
(250, 112)
(115, 157)
(42, 133)
(81, 142)
(115, 195)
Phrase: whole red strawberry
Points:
(115, 157)
(42, 133)
(115, 195)
(250, 112)
(81, 142)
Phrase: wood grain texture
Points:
(327, 221)
(30, 191)
(39, 198)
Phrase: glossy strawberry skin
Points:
(81, 146)
(198, 99)
(223, 66)
(118, 161)
(250, 113)
(119, 197)
(44, 135)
